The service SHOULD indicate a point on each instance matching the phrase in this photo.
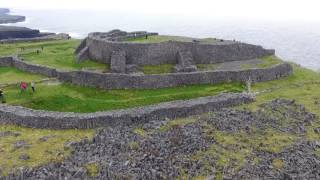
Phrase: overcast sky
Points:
(267, 9)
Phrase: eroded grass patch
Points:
(40, 146)
(233, 150)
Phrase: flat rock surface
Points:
(224, 144)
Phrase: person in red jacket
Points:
(23, 86)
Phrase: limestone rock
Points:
(10, 32)
(118, 62)
(185, 62)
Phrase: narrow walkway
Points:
(239, 65)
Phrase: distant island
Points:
(18, 34)
(7, 18)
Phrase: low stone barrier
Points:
(17, 115)
(134, 81)
(24, 66)
(129, 81)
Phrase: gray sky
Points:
(262, 9)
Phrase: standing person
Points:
(23, 86)
(2, 98)
(33, 87)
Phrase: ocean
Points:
(293, 41)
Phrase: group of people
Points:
(37, 51)
(23, 88)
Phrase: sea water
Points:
(294, 41)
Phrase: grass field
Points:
(269, 61)
(303, 86)
(56, 54)
(67, 97)
(9, 75)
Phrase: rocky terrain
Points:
(7, 18)
(275, 142)
(10, 32)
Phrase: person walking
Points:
(33, 87)
(2, 98)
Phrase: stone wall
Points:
(23, 66)
(177, 109)
(165, 52)
(136, 81)
(132, 81)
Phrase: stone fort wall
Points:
(63, 120)
(101, 50)
(135, 81)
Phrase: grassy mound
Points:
(56, 54)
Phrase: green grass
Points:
(141, 132)
(56, 54)
(9, 75)
(165, 38)
(303, 86)
(269, 61)
(178, 123)
(40, 152)
(158, 69)
(233, 150)
(246, 66)
(93, 169)
(67, 97)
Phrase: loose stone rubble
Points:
(168, 149)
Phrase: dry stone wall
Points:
(138, 81)
(101, 50)
(59, 120)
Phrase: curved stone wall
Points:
(177, 109)
(127, 81)
(133, 81)
(166, 52)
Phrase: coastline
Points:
(6, 17)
